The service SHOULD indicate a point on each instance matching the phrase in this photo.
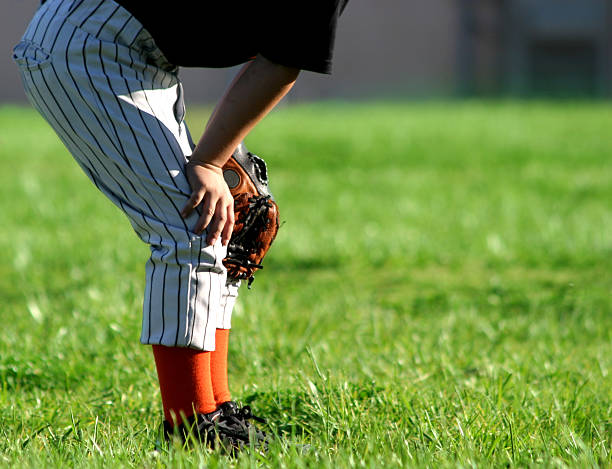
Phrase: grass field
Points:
(439, 295)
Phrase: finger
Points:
(229, 226)
(217, 223)
(208, 210)
(191, 204)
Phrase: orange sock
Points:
(218, 367)
(184, 381)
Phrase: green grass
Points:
(438, 295)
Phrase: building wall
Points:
(391, 48)
(383, 47)
(551, 48)
(13, 20)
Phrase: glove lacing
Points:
(243, 244)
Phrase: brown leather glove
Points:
(255, 214)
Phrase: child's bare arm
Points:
(258, 87)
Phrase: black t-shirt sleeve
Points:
(300, 35)
(203, 33)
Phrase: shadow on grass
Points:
(16, 376)
(305, 263)
(300, 413)
(289, 412)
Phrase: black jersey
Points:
(208, 33)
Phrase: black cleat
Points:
(227, 428)
(234, 424)
(200, 426)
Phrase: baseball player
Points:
(104, 74)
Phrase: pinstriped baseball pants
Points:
(94, 73)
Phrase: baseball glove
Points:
(255, 214)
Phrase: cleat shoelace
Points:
(235, 421)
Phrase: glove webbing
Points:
(239, 249)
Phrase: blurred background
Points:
(443, 262)
(426, 48)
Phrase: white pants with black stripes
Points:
(95, 74)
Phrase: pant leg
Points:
(229, 295)
(96, 76)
